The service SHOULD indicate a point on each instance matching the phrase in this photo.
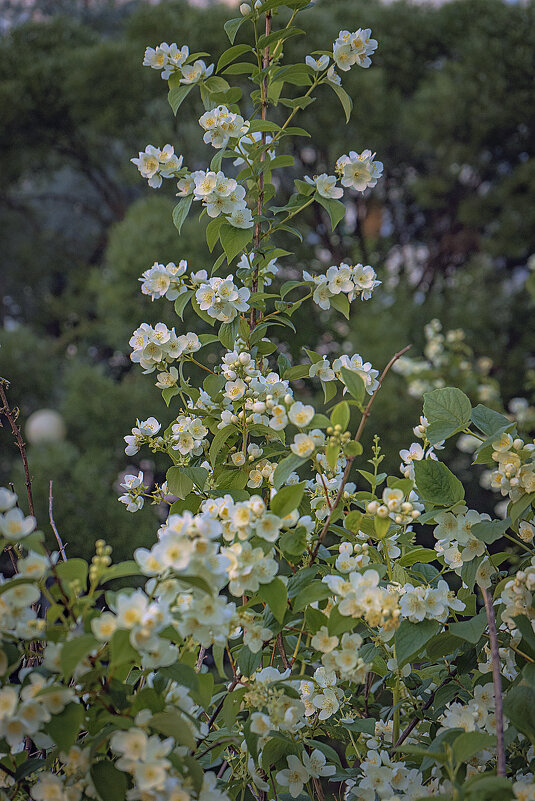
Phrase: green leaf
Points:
(418, 554)
(128, 568)
(110, 783)
(213, 384)
(182, 674)
(64, 728)
(340, 415)
(335, 208)
(354, 383)
(341, 304)
(275, 595)
(231, 54)
(75, 650)
(177, 95)
(490, 530)
(197, 474)
(219, 440)
(516, 508)
(182, 301)
(315, 591)
(519, 706)
(523, 624)
(470, 630)
(232, 27)
(487, 420)
(486, 787)
(436, 483)
(121, 650)
(178, 482)
(247, 661)
(287, 499)
(276, 749)
(411, 638)
(288, 465)
(168, 394)
(231, 706)
(234, 240)
(293, 542)
(228, 333)
(466, 745)
(212, 231)
(277, 36)
(73, 570)
(448, 411)
(344, 98)
(173, 724)
(180, 211)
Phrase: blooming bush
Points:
(287, 635)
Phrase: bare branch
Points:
(54, 528)
(497, 681)
(12, 415)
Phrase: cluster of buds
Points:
(337, 436)
(517, 596)
(100, 561)
(516, 469)
(394, 506)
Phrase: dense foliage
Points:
(449, 222)
(305, 625)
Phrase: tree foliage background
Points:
(450, 230)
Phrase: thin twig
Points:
(12, 418)
(200, 659)
(497, 681)
(54, 527)
(365, 415)
(282, 652)
(418, 718)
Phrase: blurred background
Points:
(449, 108)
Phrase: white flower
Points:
(326, 185)
(359, 171)
(303, 445)
(316, 764)
(198, 71)
(301, 415)
(8, 499)
(15, 526)
(294, 776)
(317, 64)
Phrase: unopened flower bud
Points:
(245, 9)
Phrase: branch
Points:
(417, 718)
(54, 528)
(497, 681)
(365, 415)
(12, 418)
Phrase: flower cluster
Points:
(155, 346)
(221, 299)
(517, 596)
(428, 603)
(300, 771)
(172, 60)
(219, 195)
(385, 778)
(156, 163)
(164, 280)
(455, 542)
(362, 597)
(356, 281)
(515, 475)
(221, 125)
(354, 48)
